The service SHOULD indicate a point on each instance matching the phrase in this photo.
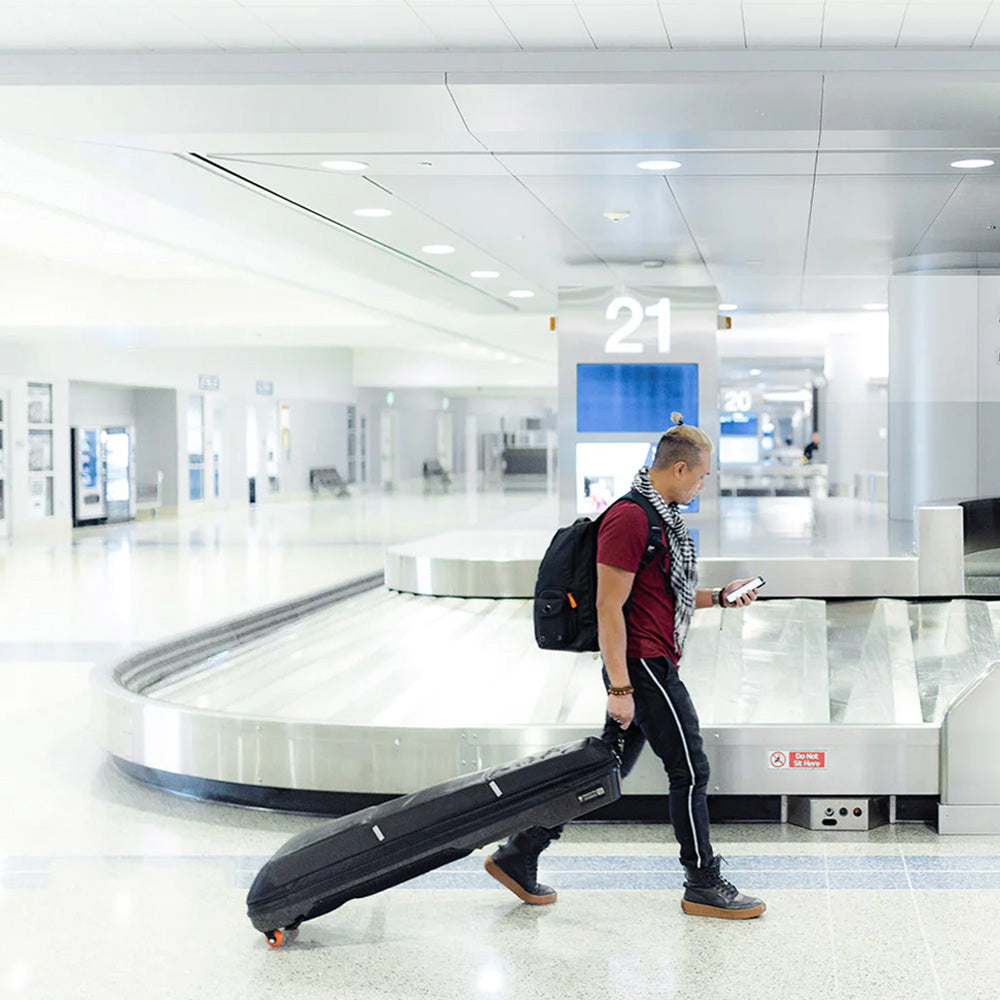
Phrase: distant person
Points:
(647, 700)
(811, 448)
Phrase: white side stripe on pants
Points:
(687, 754)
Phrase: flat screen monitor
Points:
(634, 398)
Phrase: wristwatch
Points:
(717, 597)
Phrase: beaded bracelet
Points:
(628, 689)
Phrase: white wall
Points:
(96, 405)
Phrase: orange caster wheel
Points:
(278, 938)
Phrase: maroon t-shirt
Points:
(621, 542)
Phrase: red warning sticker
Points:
(796, 759)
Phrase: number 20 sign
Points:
(618, 342)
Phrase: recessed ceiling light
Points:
(875, 306)
(515, 361)
(658, 165)
(653, 263)
(972, 164)
(484, 274)
(727, 307)
(617, 216)
(425, 163)
(438, 248)
(373, 213)
(521, 293)
(754, 371)
(345, 166)
(194, 269)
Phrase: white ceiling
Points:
(503, 25)
(185, 140)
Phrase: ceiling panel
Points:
(467, 26)
(964, 221)
(864, 24)
(860, 224)
(777, 25)
(228, 27)
(545, 25)
(748, 111)
(911, 162)
(654, 228)
(695, 25)
(382, 167)
(624, 24)
(502, 218)
(719, 164)
(940, 25)
(989, 30)
(769, 214)
(935, 110)
(426, 210)
(381, 26)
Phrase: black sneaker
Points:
(519, 873)
(708, 894)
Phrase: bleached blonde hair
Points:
(682, 443)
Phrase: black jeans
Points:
(665, 718)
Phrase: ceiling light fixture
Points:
(754, 371)
(875, 306)
(650, 264)
(617, 216)
(438, 248)
(727, 307)
(658, 165)
(521, 293)
(484, 274)
(345, 166)
(972, 164)
(373, 213)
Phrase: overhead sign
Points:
(209, 382)
(265, 388)
(796, 760)
(619, 343)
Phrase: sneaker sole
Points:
(508, 883)
(703, 910)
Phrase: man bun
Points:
(677, 418)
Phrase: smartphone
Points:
(757, 581)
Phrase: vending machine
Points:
(103, 475)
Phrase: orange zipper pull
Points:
(572, 600)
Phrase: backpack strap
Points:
(654, 541)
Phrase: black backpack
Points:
(566, 588)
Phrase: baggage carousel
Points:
(354, 694)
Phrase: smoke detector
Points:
(616, 216)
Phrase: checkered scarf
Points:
(683, 560)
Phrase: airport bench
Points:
(328, 479)
(435, 472)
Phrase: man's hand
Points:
(621, 708)
(741, 602)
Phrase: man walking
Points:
(643, 618)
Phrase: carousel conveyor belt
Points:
(362, 691)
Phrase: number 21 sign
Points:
(619, 343)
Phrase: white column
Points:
(934, 389)
(853, 414)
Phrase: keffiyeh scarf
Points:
(683, 560)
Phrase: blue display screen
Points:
(738, 423)
(634, 399)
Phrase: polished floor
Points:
(112, 890)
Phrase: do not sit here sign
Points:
(791, 760)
